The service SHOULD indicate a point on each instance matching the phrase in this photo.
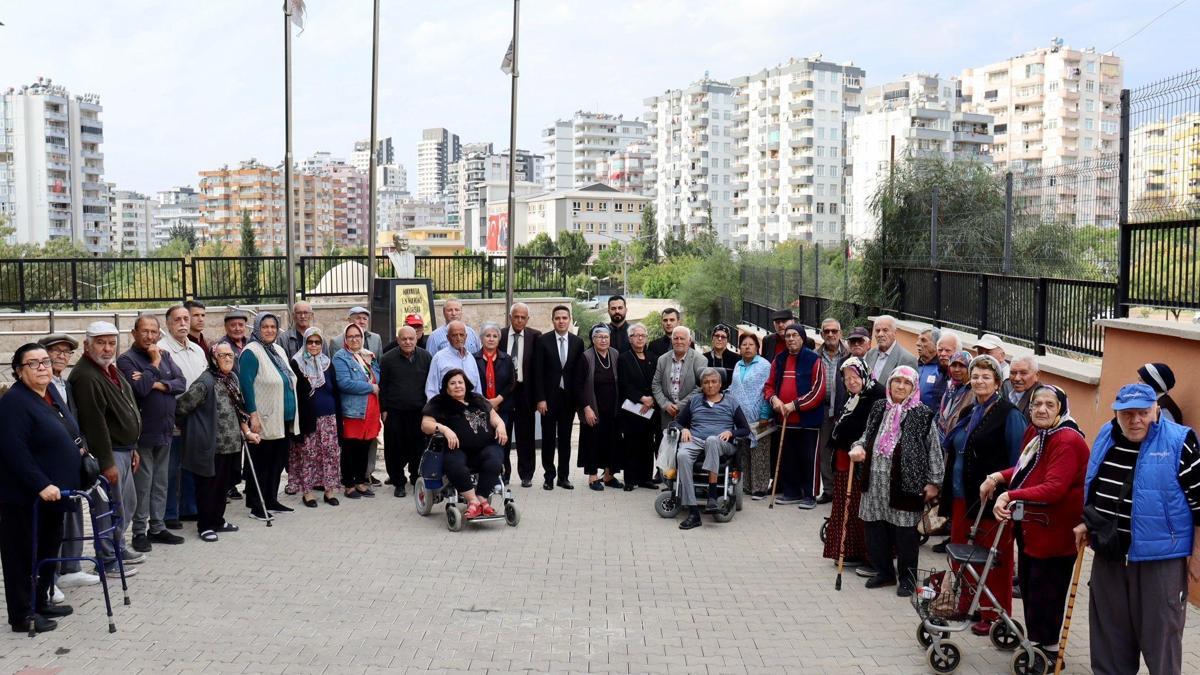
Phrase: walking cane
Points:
(1066, 627)
(262, 499)
(837, 585)
(778, 461)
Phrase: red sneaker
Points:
(487, 509)
(474, 511)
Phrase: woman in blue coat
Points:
(357, 376)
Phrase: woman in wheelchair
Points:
(707, 424)
(474, 435)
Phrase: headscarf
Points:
(228, 382)
(978, 410)
(1032, 452)
(312, 367)
(952, 398)
(358, 354)
(854, 363)
(599, 328)
(885, 443)
(269, 347)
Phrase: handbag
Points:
(1103, 536)
(433, 462)
(89, 466)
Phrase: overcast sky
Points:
(188, 86)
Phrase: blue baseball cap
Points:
(1139, 396)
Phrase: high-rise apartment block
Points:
(175, 208)
(918, 118)
(691, 176)
(480, 165)
(436, 151)
(257, 190)
(626, 169)
(574, 148)
(790, 126)
(51, 166)
(132, 221)
(385, 153)
(349, 193)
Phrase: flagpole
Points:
(512, 168)
(371, 182)
(289, 241)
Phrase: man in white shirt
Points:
(454, 356)
(191, 359)
(452, 310)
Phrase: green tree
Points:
(251, 283)
(646, 248)
(185, 234)
(574, 249)
(611, 261)
(540, 245)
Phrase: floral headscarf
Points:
(889, 436)
(313, 367)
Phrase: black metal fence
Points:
(30, 284)
(1043, 312)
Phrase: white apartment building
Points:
(790, 126)
(490, 202)
(626, 170)
(691, 177)
(51, 166)
(436, 151)
(361, 157)
(574, 147)
(175, 208)
(1164, 174)
(921, 114)
(132, 221)
(603, 215)
(415, 213)
(480, 165)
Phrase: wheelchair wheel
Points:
(1003, 638)
(726, 510)
(739, 493)
(511, 515)
(423, 498)
(454, 518)
(943, 658)
(666, 504)
(1039, 665)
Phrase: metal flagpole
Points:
(371, 182)
(512, 166)
(289, 231)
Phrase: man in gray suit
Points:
(887, 355)
(677, 375)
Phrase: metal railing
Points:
(31, 284)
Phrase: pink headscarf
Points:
(889, 436)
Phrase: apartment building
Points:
(921, 116)
(436, 151)
(178, 207)
(385, 153)
(257, 190)
(602, 214)
(574, 148)
(789, 130)
(351, 199)
(132, 221)
(479, 165)
(626, 169)
(484, 217)
(1164, 175)
(52, 167)
(691, 175)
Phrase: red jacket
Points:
(1057, 480)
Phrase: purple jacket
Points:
(157, 407)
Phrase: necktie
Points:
(514, 350)
(562, 358)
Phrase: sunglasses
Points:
(312, 342)
(830, 331)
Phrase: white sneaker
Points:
(56, 596)
(80, 578)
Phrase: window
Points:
(618, 206)
(589, 206)
(833, 207)
(820, 207)
(603, 207)
(591, 227)
(1052, 86)
(575, 226)
(1089, 85)
(604, 227)
(575, 207)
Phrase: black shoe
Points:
(865, 571)
(289, 491)
(824, 498)
(565, 484)
(279, 508)
(56, 611)
(233, 493)
(526, 483)
(596, 485)
(40, 625)
(904, 590)
(332, 501)
(648, 484)
(166, 537)
(310, 503)
(173, 524)
(375, 482)
(710, 506)
(399, 492)
(141, 543)
(1016, 591)
(368, 493)
(190, 518)
(353, 494)
(227, 527)
(941, 548)
(318, 488)
(388, 481)
(692, 521)
(412, 480)
(879, 581)
(628, 487)
(548, 485)
(613, 483)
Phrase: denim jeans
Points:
(181, 488)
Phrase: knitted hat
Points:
(1158, 376)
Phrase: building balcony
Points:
(697, 122)
(741, 132)
(741, 99)
(91, 138)
(971, 137)
(801, 86)
(773, 200)
(800, 180)
(801, 105)
(741, 116)
(799, 218)
(740, 203)
(796, 162)
(802, 142)
(741, 186)
(739, 221)
(56, 132)
(802, 124)
(773, 164)
(800, 200)
(55, 116)
(773, 109)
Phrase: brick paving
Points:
(588, 582)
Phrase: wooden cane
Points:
(837, 585)
(1066, 627)
(778, 461)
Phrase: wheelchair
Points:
(431, 491)
(669, 502)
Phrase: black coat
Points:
(850, 427)
(506, 378)
(304, 392)
(39, 447)
(547, 370)
(523, 393)
(728, 362)
(985, 453)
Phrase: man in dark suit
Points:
(661, 345)
(521, 347)
(555, 358)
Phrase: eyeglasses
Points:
(830, 331)
(224, 356)
(37, 365)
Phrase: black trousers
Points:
(637, 443)
(1045, 583)
(354, 461)
(210, 491)
(520, 436)
(16, 551)
(556, 435)
(459, 464)
(270, 459)
(403, 444)
(884, 537)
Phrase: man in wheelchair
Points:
(707, 425)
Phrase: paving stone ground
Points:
(588, 582)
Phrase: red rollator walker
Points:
(75, 500)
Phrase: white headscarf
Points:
(313, 367)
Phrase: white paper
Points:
(636, 409)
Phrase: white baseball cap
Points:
(989, 341)
(98, 328)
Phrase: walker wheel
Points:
(944, 657)
(1040, 665)
(423, 498)
(1003, 638)
(666, 504)
(925, 638)
(824, 530)
(454, 517)
(511, 515)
